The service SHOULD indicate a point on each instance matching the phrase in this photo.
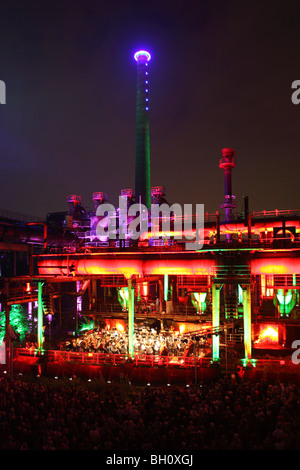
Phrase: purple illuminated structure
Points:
(142, 156)
(142, 54)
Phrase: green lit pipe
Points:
(131, 323)
(215, 321)
(40, 317)
(247, 322)
(166, 287)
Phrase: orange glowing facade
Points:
(247, 280)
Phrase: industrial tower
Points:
(142, 157)
(227, 163)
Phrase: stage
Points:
(152, 370)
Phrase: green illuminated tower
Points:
(142, 156)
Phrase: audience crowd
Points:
(226, 414)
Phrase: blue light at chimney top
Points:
(139, 54)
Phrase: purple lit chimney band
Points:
(142, 55)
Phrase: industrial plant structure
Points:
(236, 297)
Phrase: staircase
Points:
(232, 274)
(231, 309)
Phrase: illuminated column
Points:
(78, 305)
(142, 156)
(130, 320)
(8, 358)
(30, 312)
(40, 317)
(215, 320)
(145, 290)
(160, 295)
(247, 321)
(166, 287)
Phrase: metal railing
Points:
(180, 245)
(228, 363)
(117, 359)
(18, 216)
(277, 213)
(95, 358)
(144, 309)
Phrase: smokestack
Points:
(142, 156)
(226, 163)
(73, 201)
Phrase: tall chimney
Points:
(142, 156)
(226, 163)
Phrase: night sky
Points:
(220, 76)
